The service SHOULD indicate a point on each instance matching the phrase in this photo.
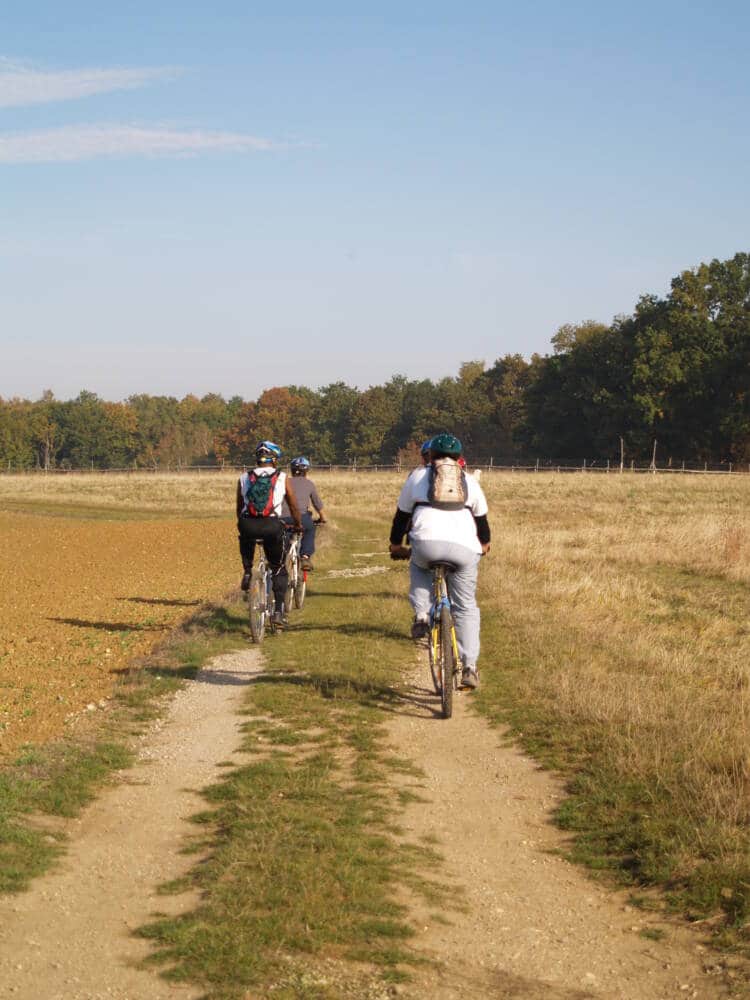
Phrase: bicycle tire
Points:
(273, 627)
(289, 593)
(433, 652)
(300, 589)
(256, 601)
(446, 662)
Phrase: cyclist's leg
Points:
(247, 546)
(462, 586)
(307, 545)
(273, 546)
(420, 575)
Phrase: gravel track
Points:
(69, 937)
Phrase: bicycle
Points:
(442, 644)
(295, 592)
(260, 599)
(295, 567)
(445, 663)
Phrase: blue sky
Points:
(197, 200)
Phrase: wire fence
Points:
(488, 465)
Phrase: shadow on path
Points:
(164, 601)
(112, 626)
(383, 594)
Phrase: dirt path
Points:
(69, 937)
(535, 925)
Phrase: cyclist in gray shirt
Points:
(306, 495)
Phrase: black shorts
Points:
(269, 531)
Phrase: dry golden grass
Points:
(628, 602)
(192, 494)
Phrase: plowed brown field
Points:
(79, 598)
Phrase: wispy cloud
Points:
(22, 84)
(86, 142)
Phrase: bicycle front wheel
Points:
(256, 600)
(447, 664)
(290, 592)
(300, 588)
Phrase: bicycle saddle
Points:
(447, 566)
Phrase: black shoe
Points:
(420, 628)
(245, 582)
(278, 619)
(306, 564)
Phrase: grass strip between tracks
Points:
(302, 868)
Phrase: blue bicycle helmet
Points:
(299, 465)
(267, 453)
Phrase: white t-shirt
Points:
(279, 490)
(428, 524)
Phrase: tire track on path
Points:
(535, 925)
(70, 936)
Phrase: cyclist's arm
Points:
(483, 531)
(401, 521)
(291, 500)
(478, 509)
(240, 499)
(317, 503)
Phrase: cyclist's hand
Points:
(321, 520)
(400, 551)
(298, 529)
(485, 548)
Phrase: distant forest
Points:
(676, 371)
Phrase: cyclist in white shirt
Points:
(458, 536)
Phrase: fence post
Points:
(536, 468)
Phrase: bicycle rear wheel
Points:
(256, 600)
(447, 664)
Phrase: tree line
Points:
(676, 371)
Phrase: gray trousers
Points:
(462, 588)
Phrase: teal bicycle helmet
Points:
(446, 444)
